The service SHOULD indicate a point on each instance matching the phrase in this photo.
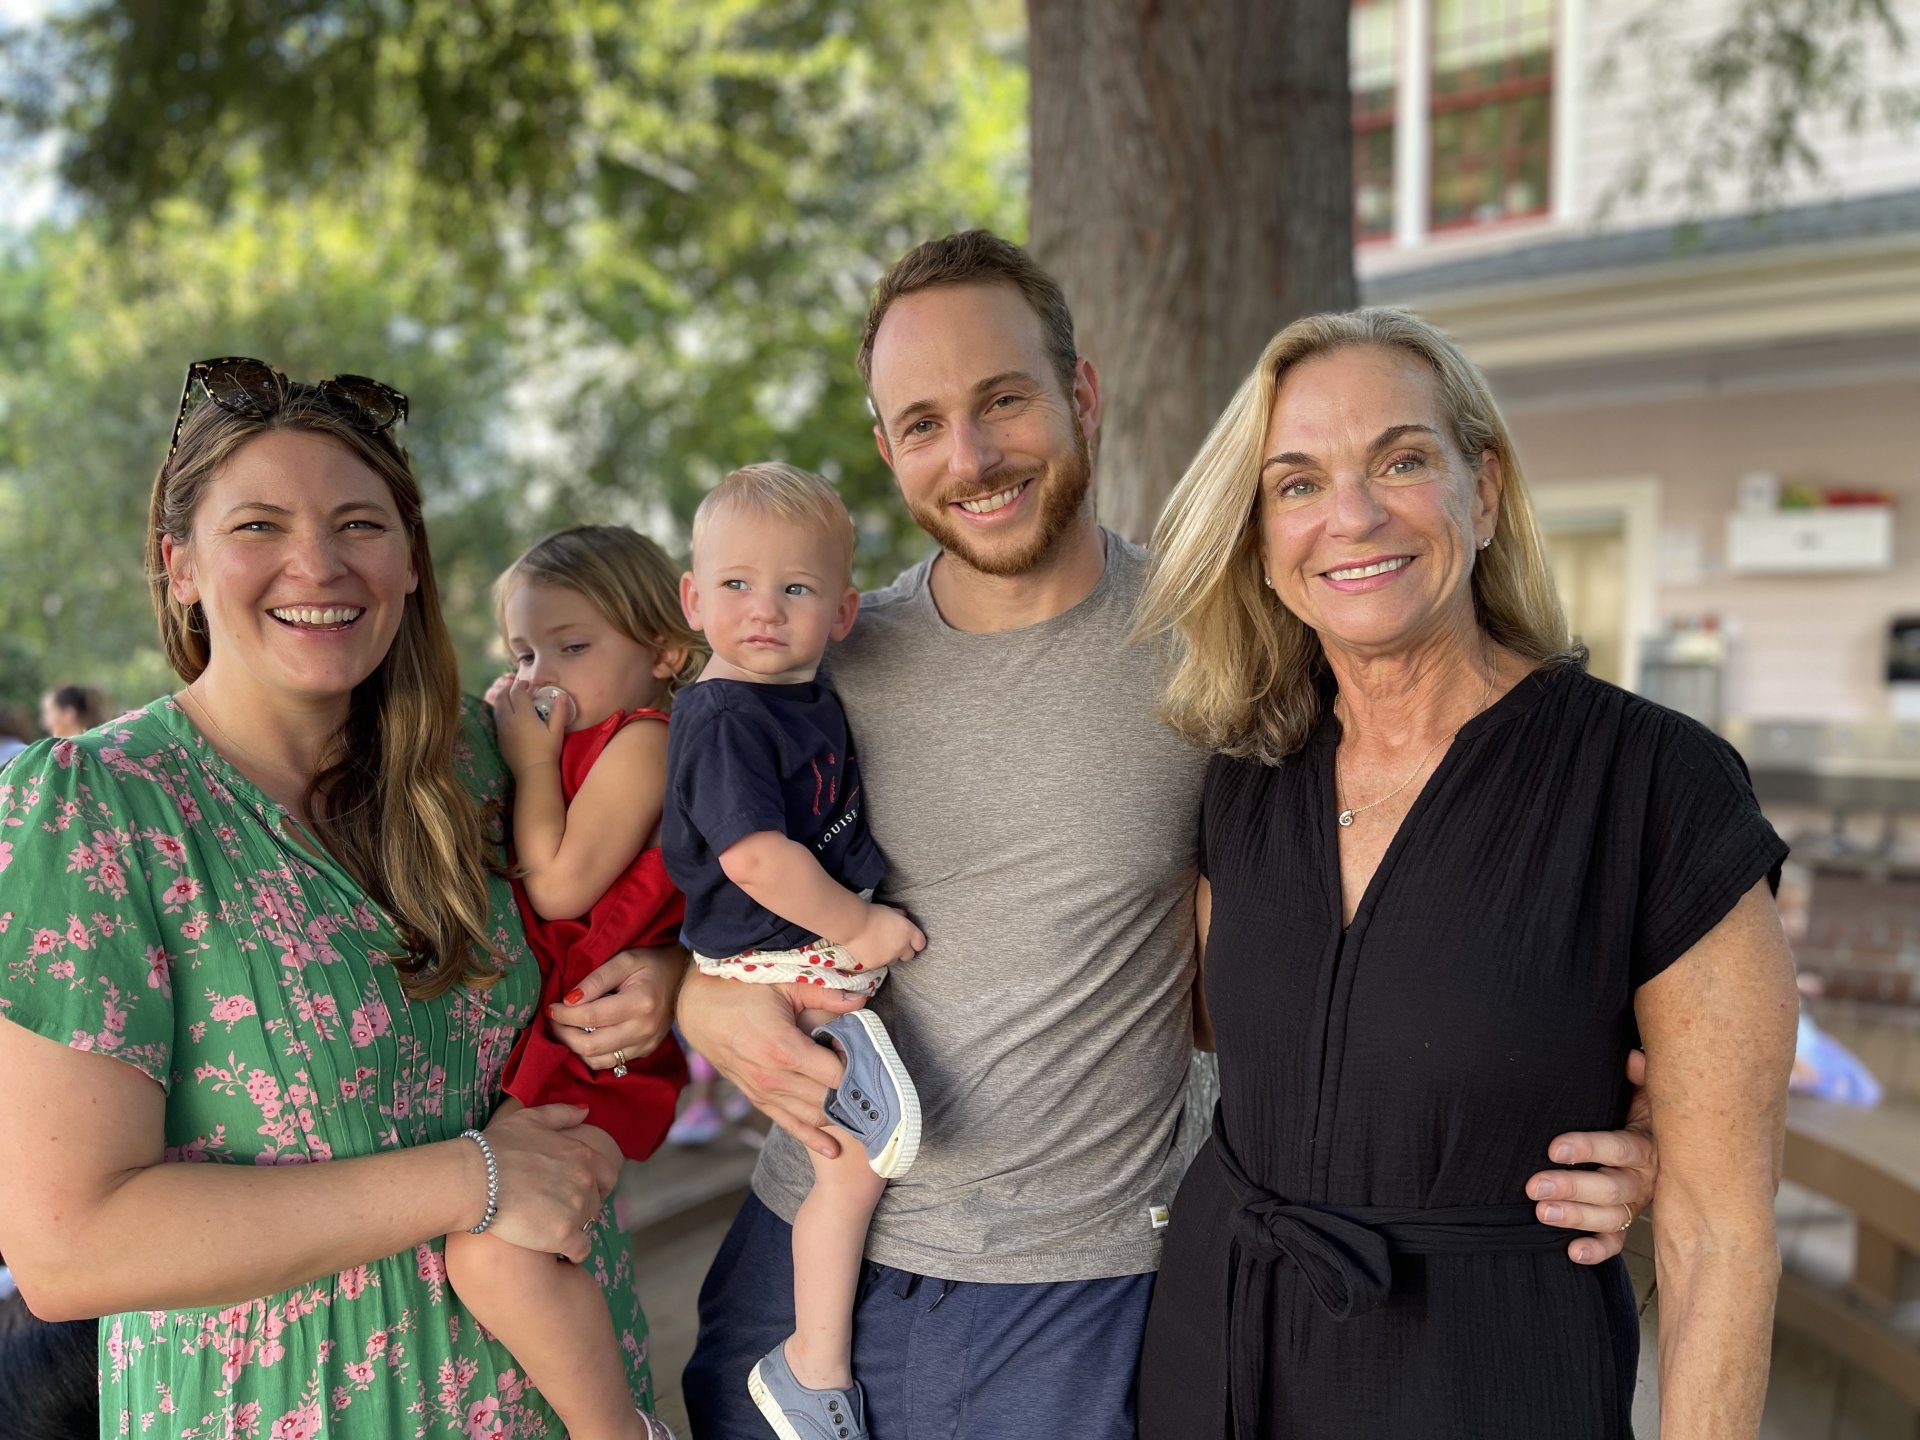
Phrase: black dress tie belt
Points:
(1344, 1254)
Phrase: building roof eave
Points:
(1819, 286)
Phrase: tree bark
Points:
(1192, 192)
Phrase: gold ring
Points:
(619, 1064)
(1627, 1224)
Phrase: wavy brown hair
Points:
(1245, 669)
(386, 803)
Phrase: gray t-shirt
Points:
(1041, 826)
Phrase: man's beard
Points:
(1061, 485)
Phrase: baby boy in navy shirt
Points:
(764, 833)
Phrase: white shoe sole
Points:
(769, 1407)
(904, 1148)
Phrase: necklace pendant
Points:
(1346, 818)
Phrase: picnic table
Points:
(1869, 1162)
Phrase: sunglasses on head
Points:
(255, 389)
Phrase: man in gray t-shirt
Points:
(1040, 825)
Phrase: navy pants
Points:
(939, 1359)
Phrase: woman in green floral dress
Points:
(260, 925)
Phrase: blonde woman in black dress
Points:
(1451, 880)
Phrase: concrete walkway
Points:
(668, 1276)
(677, 1207)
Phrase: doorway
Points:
(1587, 563)
(1601, 538)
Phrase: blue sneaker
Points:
(876, 1101)
(797, 1413)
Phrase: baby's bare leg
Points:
(551, 1315)
(829, 1240)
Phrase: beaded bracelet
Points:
(493, 1181)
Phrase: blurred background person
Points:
(16, 729)
(69, 710)
(712, 1108)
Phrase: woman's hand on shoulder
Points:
(553, 1184)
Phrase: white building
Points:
(1649, 350)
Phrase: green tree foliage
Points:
(97, 330)
(611, 251)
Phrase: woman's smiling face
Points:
(1369, 516)
(300, 564)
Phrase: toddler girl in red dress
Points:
(592, 618)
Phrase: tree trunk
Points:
(1192, 191)
(1192, 184)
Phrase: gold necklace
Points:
(297, 815)
(1346, 816)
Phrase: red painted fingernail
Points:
(576, 995)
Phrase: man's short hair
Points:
(975, 257)
(773, 487)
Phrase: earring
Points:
(1486, 542)
(1269, 581)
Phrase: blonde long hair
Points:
(387, 804)
(1245, 671)
(627, 577)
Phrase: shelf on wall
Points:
(1834, 539)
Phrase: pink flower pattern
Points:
(157, 913)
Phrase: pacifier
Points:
(546, 697)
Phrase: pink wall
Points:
(1808, 647)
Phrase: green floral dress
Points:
(152, 909)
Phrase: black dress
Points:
(1353, 1254)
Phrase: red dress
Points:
(641, 908)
